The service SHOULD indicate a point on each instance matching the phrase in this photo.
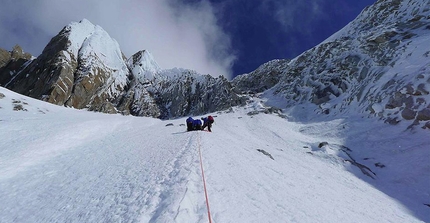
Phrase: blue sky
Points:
(271, 29)
(217, 37)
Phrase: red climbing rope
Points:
(204, 181)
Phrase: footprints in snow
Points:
(177, 196)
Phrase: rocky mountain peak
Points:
(81, 67)
(11, 62)
(17, 53)
(4, 57)
(77, 33)
(143, 65)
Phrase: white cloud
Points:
(178, 35)
(289, 13)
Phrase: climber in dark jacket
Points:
(189, 122)
(207, 122)
(193, 124)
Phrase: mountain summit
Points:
(143, 65)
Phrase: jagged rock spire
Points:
(143, 65)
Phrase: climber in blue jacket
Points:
(193, 124)
(189, 122)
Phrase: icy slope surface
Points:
(67, 165)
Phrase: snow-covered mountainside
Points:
(65, 165)
(378, 66)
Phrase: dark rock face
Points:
(4, 57)
(424, 115)
(408, 114)
(40, 78)
(176, 92)
(186, 94)
(199, 96)
(11, 63)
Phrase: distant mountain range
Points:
(377, 66)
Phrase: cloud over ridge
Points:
(177, 34)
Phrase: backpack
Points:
(189, 120)
(197, 122)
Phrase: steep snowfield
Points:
(65, 165)
(377, 65)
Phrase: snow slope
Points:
(377, 65)
(65, 165)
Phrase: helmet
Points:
(210, 118)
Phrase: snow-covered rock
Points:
(182, 92)
(377, 65)
(82, 67)
(263, 78)
(102, 74)
(143, 66)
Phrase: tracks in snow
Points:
(177, 194)
(119, 176)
